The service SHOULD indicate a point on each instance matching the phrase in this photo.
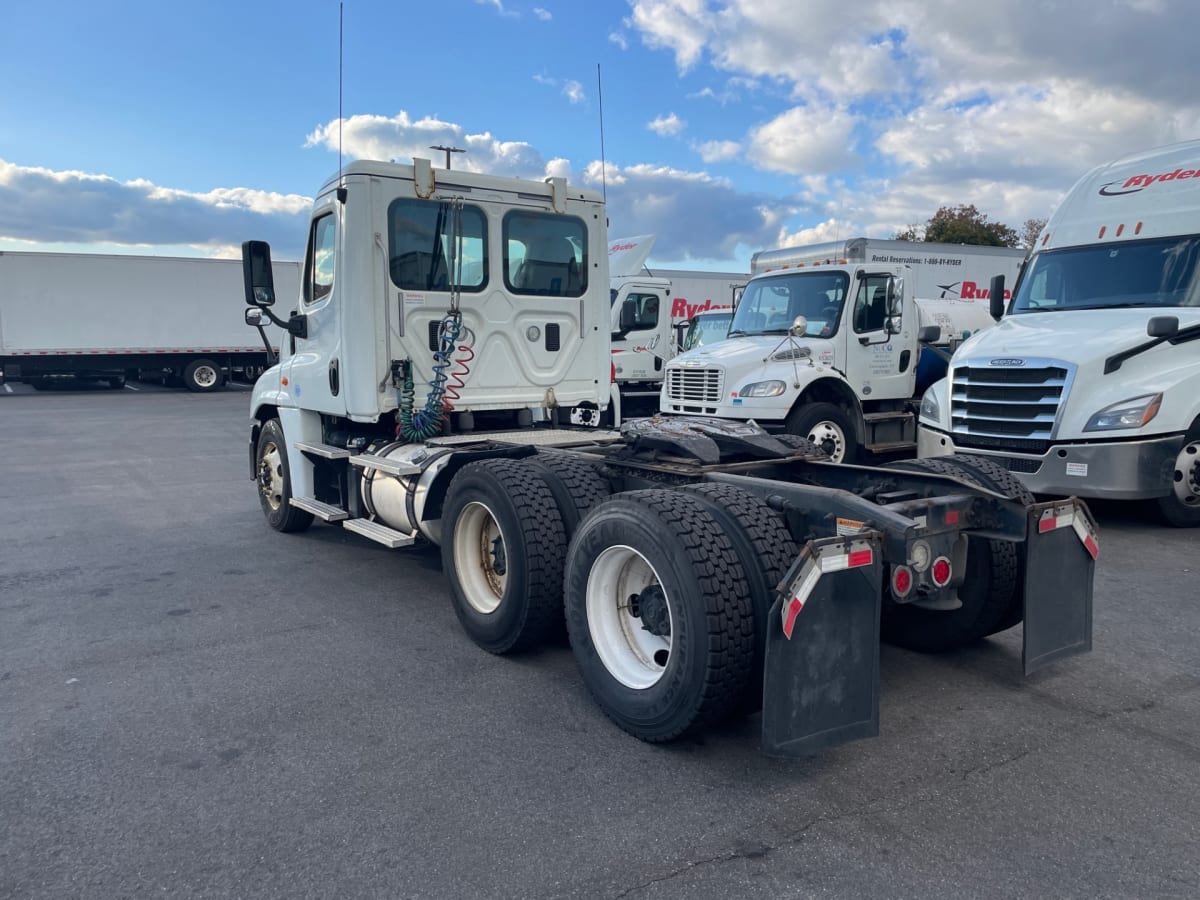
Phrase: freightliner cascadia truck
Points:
(446, 365)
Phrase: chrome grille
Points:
(695, 385)
(1007, 407)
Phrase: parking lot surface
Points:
(194, 705)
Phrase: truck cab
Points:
(1090, 384)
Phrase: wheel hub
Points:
(1187, 474)
(651, 607)
(829, 438)
(499, 557)
(270, 476)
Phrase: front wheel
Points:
(203, 376)
(828, 427)
(659, 614)
(275, 481)
(1181, 507)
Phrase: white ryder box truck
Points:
(108, 317)
(834, 342)
(452, 330)
(650, 312)
(1090, 385)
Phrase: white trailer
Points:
(108, 317)
(835, 342)
(651, 310)
(1090, 385)
(449, 369)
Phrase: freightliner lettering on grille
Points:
(1008, 403)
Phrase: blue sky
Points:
(151, 127)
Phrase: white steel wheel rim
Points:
(631, 654)
(475, 538)
(205, 376)
(1187, 475)
(270, 475)
(822, 432)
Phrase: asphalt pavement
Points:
(192, 705)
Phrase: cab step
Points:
(892, 446)
(326, 451)
(897, 415)
(381, 534)
(325, 511)
(387, 466)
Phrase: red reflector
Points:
(1049, 523)
(793, 610)
(1092, 547)
(952, 517)
(941, 571)
(859, 558)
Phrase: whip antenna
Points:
(341, 17)
(603, 162)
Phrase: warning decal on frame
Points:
(849, 526)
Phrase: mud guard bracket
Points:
(821, 676)
(1060, 561)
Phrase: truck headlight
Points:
(763, 389)
(1132, 413)
(930, 410)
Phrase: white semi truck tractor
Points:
(1090, 385)
(835, 342)
(447, 363)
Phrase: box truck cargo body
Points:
(108, 317)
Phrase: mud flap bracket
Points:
(821, 678)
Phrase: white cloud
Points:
(573, 91)
(803, 140)
(71, 207)
(543, 15)
(666, 126)
(718, 151)
(499, 7)
(400, 137)
(615, 37)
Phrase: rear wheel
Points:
(1181, 507)
(577, 487)
(828, 427)
(990, 592)
(658, 613)
(764, 545)
(503, 546)
(275, 481)
(203, 376)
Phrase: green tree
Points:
(967, 225)
(1030, 231)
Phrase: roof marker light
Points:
(1045, 237)
(1120, 228)
(1103, 228)
(1138, 229)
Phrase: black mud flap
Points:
(821, 679)
(1060, 561)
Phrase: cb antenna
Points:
(603, 162)
(341, 191)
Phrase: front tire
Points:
(658, 613)
(828, 427)
(503, 546)
(275, 481)
(203, 376)
(1181, 507)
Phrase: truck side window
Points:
(318, 265)
(420, 237)
(545, 255)
(870, 306)
(647, 311)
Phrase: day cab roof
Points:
(427, 178)
(1154, 193)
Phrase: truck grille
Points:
(695, 385)
(1008, 408)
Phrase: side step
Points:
(387, 466)
(324, 511)
(327, 451)
(381, 534)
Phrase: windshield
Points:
(1160, 273)
(707, 329)
(769, 305)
